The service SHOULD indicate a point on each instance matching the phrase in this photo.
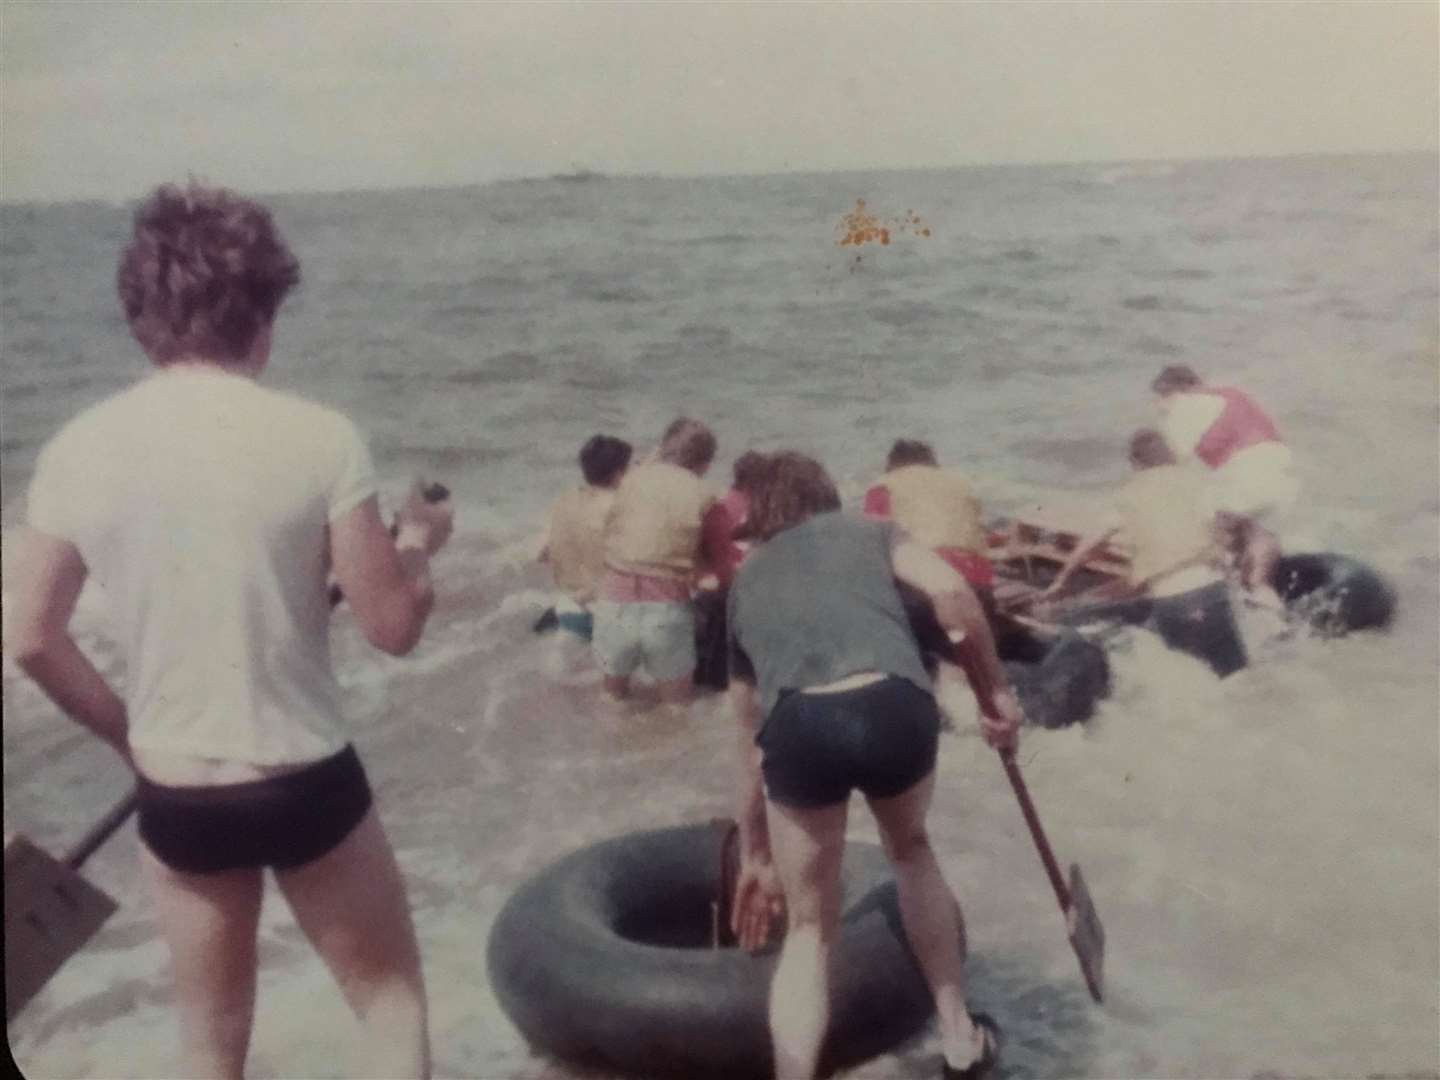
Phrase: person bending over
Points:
(574, 543)
(830, 694)
(936, 506)
(644, 617)
(1255, 485)
(209, 509)
(1163, 513)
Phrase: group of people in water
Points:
(215, 512)
(642, 558)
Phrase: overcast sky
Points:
(105, 100)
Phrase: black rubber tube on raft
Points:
(1334, 593)
(604, 959)
(1058, 674)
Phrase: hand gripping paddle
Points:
(1082, 921)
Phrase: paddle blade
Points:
(50, 913)
(1086, 934)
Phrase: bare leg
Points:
(210, 922)
(930, 914)
(351, 904)
(1262, 556)
(808, 846)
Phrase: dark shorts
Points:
(1201, 622)
(280, 821)
(881, 738)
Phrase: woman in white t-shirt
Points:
(210, 510)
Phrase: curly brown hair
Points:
(748, 469)
(791, 489)
(203, 275)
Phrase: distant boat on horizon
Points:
(578, 175)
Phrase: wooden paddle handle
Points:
(101, 831)
(1032, 819)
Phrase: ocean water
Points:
(1263, 851)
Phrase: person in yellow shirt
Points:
(936, 507)
(1163, 513)
(644, 616)
(574, 544)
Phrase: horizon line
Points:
(582, 172)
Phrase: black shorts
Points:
(881, 738)
(1201, 622)
(280, 821)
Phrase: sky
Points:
(106, 100)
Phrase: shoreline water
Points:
(1262, 850)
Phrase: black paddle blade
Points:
(50, 913)
(1086, 934)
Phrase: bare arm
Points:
(758, 899)
(750, 793)
(959, 612)
(387, 581)
(48, 578)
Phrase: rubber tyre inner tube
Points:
(604, 959)
(1333, 593)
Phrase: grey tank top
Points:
(818, 602)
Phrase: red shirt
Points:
(721, 552)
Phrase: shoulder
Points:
(324, 418)
(94, 427)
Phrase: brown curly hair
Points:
(791, 489)
(203, 275)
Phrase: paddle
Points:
(50, 910)
(1082, 922)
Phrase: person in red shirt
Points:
(1253, 482)
(722, 551)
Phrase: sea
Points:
(1262, 851)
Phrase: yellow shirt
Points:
(936, 507)
(1166, 519)
(654, 524)
(576, 540)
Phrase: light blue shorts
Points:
(659, 636)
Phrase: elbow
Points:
(31, 650)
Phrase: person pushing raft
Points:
(1163, 512)
(936, 506)
(1253, 471)
(644, 616)
(574, 542)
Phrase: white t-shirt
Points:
(200, 503)
(1258, 481)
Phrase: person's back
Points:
(577, 540)
(936, 506)
(654, 523)
(818, 602)
(208, 535)
(1167, 523)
